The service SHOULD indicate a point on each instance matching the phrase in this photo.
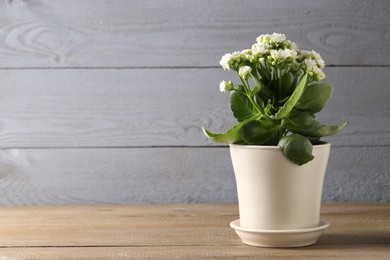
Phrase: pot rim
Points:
(274, 147)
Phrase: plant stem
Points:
(280, 87)
(248, 94)
(246, 87)
(263, 89)
(255, 105)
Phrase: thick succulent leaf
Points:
(259, 101)
(241, 106)
(315, 97)
(263, 89)
(290, 103)
(232, 136)
(305, 124)
(296, 148)
(287, 84)
(263, 132)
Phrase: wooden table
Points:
(357, 231)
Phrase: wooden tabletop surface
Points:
(195, 231)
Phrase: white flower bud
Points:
(225, 86)
(245, 72)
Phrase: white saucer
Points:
(279, 238)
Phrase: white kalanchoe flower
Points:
(236, 59)
(314, 56)
(310, 64)
(236, 56)
(262, 38)
(262, 61)
(292, 45)
(283, 56)
(280, 54)
(318, 59)
(313, 70)
(225, 86)
(260, 48)
(247, 55)
(318, 74)
(232, 61)
(245, 72)
(293, 53)
(277, 37)
(225, 61)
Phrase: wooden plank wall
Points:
(102, 101)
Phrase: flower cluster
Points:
(313, 64)
(233, 61)
(273, 52)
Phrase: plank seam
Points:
(182, 245)
(173, 67)
(159, 146)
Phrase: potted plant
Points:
(278, 159)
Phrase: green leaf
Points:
(241, 106)
(305, 124)
(296, 148)
(290, 103)
(315, 97)
(232, 136)
(287, 83)
(255, 91)
(261, 132)
(263, 89)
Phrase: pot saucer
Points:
(279, 238)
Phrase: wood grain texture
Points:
(323, 252)
(166, 175)
(157, 33)
(163, 107)
(357, 231)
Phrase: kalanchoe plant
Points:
(277, 96)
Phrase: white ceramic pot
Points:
(274, 193)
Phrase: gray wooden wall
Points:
(102, 101)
